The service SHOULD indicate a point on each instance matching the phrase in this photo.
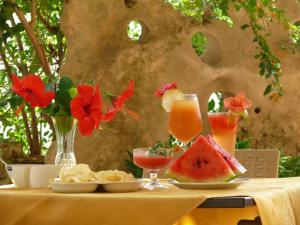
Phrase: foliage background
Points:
(31, 42)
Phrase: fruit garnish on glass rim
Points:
(169, 93)
(238, 104)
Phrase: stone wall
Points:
(99, 49)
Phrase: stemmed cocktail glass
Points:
(152, 160)
(185, 121)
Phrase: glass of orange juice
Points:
(223, 126)
(185, 121)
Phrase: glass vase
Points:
(65, 128)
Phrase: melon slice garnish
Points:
(243, 115)
(170, 97)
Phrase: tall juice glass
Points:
(224, 126)
(185, 121)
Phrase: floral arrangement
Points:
(83, 103)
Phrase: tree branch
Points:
(35, 133)
(20, 46)
(24, 115)
(20, 66)
(61, 55)
(50, 28)
(5, 62)
(50, 122)
(33, 13)
(34, 39)
(27, 131)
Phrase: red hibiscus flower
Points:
(166, 87)
(86, 108)
(33, 90)
(238, 103)
(118, 103)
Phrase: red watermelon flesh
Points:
(200, 163)
(237, 168)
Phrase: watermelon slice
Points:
(237, 168)
(200, 163)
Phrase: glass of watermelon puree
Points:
(152, 160)
(185, 121)
(223, 126)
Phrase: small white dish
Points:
(207, 185)
(122, 186)
(32, 175)
(74, 187)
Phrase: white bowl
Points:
(32, 175)
(19, 174)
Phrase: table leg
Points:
(257, 221)
(219, 216)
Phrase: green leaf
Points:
(64, 123)
(72, 92)
(211, 105)
(131, 167)
(268, 89)
(289, 166)
(34, 66)
(63, 98)
(242, 144)
(130, 154)
(65, 83)
(252, 3)
(244, 26)
(3, 103)
(18, 28)
(199, 43)
(262, 71)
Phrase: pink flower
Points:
(166, 87)
(238, 103)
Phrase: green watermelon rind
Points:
(236, 167)
(182, 178)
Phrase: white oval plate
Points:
(207, 185)
(122, 186)
(73, 187)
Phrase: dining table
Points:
(266, 201)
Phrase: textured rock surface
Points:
(8, 152)
(99, 49)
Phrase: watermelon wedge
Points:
(200, 163)
(237, 168)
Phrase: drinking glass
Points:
(152, 160)
(185, 121)
(223, 126)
